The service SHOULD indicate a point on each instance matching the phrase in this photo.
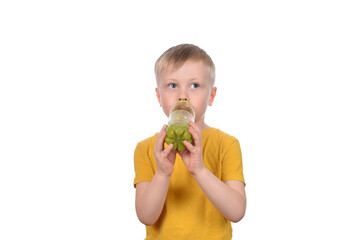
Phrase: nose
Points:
(183, 94)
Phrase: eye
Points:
(172, 85)
(194, 85)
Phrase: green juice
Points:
(176, 134)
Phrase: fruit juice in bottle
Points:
(178, 126)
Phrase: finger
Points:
(172, 156)
(159, 144)
(184, 153)
(189, 146)
(169, 153)
(195, 128)
(196, 133)
(168, 149)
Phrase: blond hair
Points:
(176, 56)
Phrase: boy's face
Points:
(190, 82)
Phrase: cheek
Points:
(200, 110)
(166, 109)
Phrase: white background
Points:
(77, 94)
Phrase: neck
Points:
(201, 123)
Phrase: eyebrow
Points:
(171, 80)
(192, 79)
(175, 80)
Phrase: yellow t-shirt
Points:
(188, 213)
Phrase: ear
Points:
(212, 96)
(158, 95)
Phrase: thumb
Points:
(168, 149)
(189, 146)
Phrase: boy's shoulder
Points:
(150, 141)
(215, 137)
(218, 134)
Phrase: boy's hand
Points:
(192, 156)
(165, 158)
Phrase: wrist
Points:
(162, 176)
(199, 172)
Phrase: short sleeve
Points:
(142, 163)
(232, 167)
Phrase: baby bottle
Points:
(178, 126)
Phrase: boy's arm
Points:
(228, 197)
(150, 196)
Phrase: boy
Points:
(195, 193)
